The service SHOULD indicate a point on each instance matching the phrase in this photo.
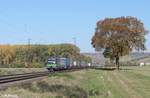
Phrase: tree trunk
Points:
(117, 62)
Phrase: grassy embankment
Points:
(131, 82)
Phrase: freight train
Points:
(63, 63)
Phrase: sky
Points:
(63, 21)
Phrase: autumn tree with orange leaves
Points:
(36, 55)
(120, 36)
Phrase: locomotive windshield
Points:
(51, 61)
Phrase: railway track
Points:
(6, 79)
(18, 77)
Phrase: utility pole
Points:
(74, 40)
(27, 63)
(29, 42)
(28, 52)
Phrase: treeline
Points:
(37, 55)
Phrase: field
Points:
(130, 82)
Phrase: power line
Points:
(15, 26)
(5, 21)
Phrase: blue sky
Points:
(58, 21)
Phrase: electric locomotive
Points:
(51, 64)
(58, 63)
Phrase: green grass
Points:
(64, 75)
(130, 82)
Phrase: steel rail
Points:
(13, 78)
(18, 77)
